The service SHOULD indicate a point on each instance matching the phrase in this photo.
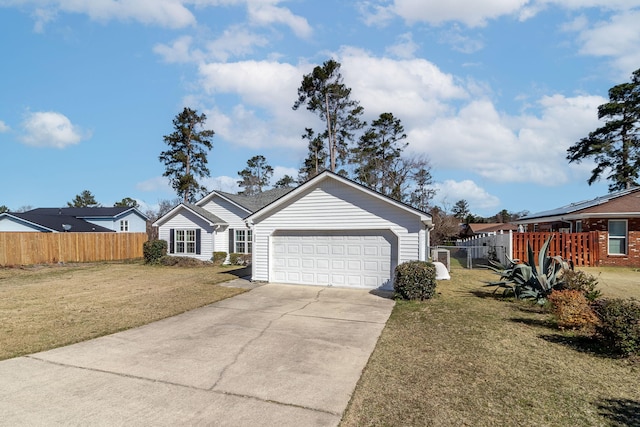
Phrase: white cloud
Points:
(179, 51)
(452, 121)
(460, 42)
(263, 13)
(51, 129)
(450, 191)
(413, 89)
(404, 48)
(158, 183)
(4, 127)
(474, 13)
(236, 41)
(281, 171)
(222, 183)
(165, 13)
(617, 38)
(502, 148)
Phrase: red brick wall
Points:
(630, 259)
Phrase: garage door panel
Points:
(360, 259)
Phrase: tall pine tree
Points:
(614, 147)
(186, 158)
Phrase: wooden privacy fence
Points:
(581, 248)
(46, 248)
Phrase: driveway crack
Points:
(260, 335)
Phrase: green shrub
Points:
(154, 250)
(219, 258)
(415, 280)
(619, 324)
(583, 282)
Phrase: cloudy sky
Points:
(493, 92)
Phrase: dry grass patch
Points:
(467, 358)
(616, 282)
(47, 307)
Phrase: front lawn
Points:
(47, 307)
(467, 358)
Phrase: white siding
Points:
(226, 211)
(8, 224)
(185, 220)
(333, 205)
(229, 213)
(136, 223)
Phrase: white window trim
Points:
(625, 238)
(185, 241)
(124, 225)
(247, 240)
(579, 226)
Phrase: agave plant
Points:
(525, 280)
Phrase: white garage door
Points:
(357, 259)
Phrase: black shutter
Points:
(231, 238)
(198, 241)
(171, 241)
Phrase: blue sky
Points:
(493, 92)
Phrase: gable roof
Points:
(87, 212)
(55, 222)
(196, 210)
(578, 208)
(249, 203)
(424, 217)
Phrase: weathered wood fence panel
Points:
(46, 248)
(581, 248)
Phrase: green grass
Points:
(467, 358)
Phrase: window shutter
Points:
(171, 244)
(232, 235)
(198, 241)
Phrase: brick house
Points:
(615, 217)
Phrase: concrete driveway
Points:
(278, 355)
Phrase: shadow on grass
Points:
(538, 323)
(489, 293)
(582, 343)
(621, 412)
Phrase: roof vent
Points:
(66, 227)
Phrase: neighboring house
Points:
(483, 229)
(328, 231)
(79, 220)
(616, 216)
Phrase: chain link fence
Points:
(468, 256)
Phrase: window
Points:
(124, 225)
(579, 226)
(617, 237)
(243, 240)
(185, 241)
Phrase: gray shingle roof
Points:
(578, 206)
(93, 212)
(205, 213)
(55, 222)
(260, 200)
